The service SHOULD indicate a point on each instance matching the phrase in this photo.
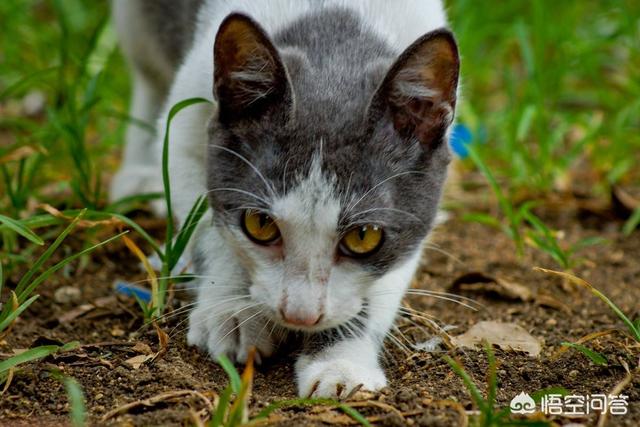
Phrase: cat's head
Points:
(325, 169)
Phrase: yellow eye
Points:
(260, 227)
(361, 241)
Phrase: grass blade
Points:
(632, 223)
(28, 356)
(21, 229)
(77, 402)
(592, 355)
(468, 382)
(578, 281)
(13, 315)
(44, 276)
(165, 163)
(47, 254)
(184, 235)
(221, 410)
(232, 373)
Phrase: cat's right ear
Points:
(418, 94)
(249, 75)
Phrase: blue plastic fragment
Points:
(460, 138)
(130, 290)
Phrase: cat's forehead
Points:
(312, 204)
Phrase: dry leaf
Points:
(507, 336)
(141, 347)
(480, 282)
(624, 200)
(137, 361)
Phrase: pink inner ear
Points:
(421, 91)
(422, 119)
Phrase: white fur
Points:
(225, 321)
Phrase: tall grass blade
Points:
(21, 229)
(578, 281)
(77, 402)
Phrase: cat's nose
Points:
(301, 319)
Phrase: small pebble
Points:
(117, 332)
(574, 373)
(67, 295)
(33, 103)
(552, 322)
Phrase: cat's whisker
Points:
(409, 214)
(233, 314)
(431, 247)
(191, 308)
(440, 297)
(419, 315)
(210, 308)
(447, 294)
(238, 326)
(238, 190)
(284, 176)
(422, 292)
(402, 346)
(251, 165)
(384, 181)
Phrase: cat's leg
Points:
(140, 169)
(350, 362)
(225, 319)
(231, 333)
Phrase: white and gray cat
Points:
(323, 155)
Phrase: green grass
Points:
(632, 326)
(490, 415)
(550, 91)
(232, 408)
(23, 295)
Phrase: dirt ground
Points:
(422, 391)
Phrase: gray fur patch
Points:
(335, 66)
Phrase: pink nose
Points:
(301, 319)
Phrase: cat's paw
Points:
(232, 338)
(337, 378)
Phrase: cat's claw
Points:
(338, 378)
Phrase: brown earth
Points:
(422, 391)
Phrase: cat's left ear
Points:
(419, 91)
(249, 75)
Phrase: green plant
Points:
(23, 296)
(632, 223)
(594, 356)
(633, 327)
(233, 412)
(544, 239)
(489, 415)
(174, 246)
(514, 215)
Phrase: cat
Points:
(323, 155)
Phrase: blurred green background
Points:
(551, 93)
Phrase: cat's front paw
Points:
(232, 337)
(337, 378)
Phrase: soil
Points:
(422, 390)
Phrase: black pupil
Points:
(263, 220)
(362, 232)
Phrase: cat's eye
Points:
(361, 241)
(260, 227)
